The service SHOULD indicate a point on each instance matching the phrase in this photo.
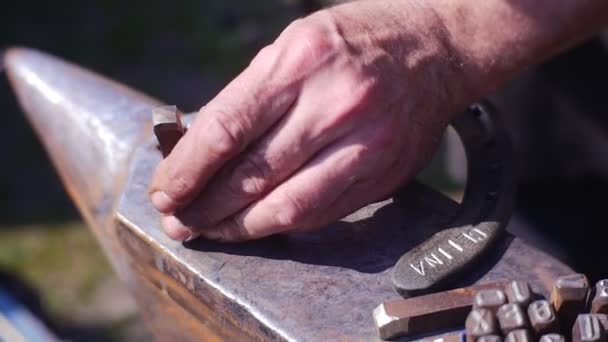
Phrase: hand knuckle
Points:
(364, 87)
(290, 211)
(311, 41)
(252, 177)
(317, 43)
(293, 28)
(228, 134)
(357, 93)
(361, 154)
(266, 57)
(362, 81)
(180, 185)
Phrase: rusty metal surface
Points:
(320, 286)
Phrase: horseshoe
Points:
(484, 212)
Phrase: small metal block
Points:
(588, 328)
(543, 317)
(569, 296)
(519, 292)
(490, 338)
(168, 127)
(519, 335)
(511, 317)
(552, 338)
(490, 299)
(480, 322)
(599, 305)
(425, 314)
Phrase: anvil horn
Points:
(88, 124)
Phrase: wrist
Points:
(412, 38)
(496, 39)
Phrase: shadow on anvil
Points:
(372, 245)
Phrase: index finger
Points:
(237, 116)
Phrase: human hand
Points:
(343, 108)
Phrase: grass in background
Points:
(76, 284)
(63, 261)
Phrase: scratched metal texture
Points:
(316, 286)
(310, 287)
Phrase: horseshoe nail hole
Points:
(476, 110)
(447, 172)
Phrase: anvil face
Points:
(321, 286)
(316, 286)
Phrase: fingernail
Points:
(176, 230)
(162, 202)
(192, 236)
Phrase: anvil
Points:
(319, 286)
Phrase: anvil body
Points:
(311, 287)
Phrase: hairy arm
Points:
(487, 41)
(498, 38)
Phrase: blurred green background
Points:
(182, 52)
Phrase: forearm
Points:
(469, 47)
(496, 39)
